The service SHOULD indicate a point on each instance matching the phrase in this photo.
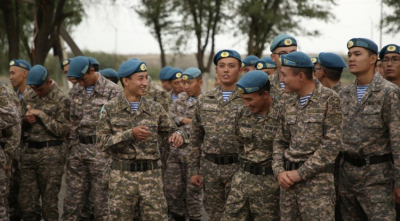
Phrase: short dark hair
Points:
(122, 82)
(200, 77)
(308, 72)
(332, 74)
(266, 87)
(96, 67)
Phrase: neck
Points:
(197, 94)
(395, 81)
(328, 83)
(228, 87)
(22, 87)
(265, 109)
(307, 88)
(365, 78)
(132, 97)
(95, 78)
(175, 93)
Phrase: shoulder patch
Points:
(336, 119)
(334, 101)
(3, 101)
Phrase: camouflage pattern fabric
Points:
(370, 128)
(276, 91)
(337, 87)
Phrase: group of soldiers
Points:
(286, 141)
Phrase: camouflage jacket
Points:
(85, 109)
(257, 135)
(51, 123)
(183, 108)
(371, 127)
(213, 129)
(337, 87)
(114, 130)
(276, 90)
(158, 94)
(310, 134)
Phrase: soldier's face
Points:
(136, 84)
(391, 66)
(291, 81)
(88, 79)
(317, 72)
(177, 86)
(248, 68)
(166, 85)
(360, 61)
(193, 87)
(17, 76)
(217, 82)
(228, 71)
(65, 71)
(269, 71)
(257, 103)
(276, 55)
(44, 89)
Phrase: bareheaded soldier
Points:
(390, 58)
(46, 116)
(371, 139)
(266, 64)
(213, 149)
(128, 130)
(86, 165)
(329, 70)
(254, 189)
(307, 143)
(248, 63)
(182, 196)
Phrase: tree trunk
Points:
(161, 45)
(12, 29)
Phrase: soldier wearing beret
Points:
(18, 73)
(248, 63)
(180, 196)
(213, 149)
(329, 70)
(174, 77)
(266, 64)
(110, 74)
(64, 67)
(46, 114)
(164, 79)
(371, 125)
(128, 130)
(379, 66)
(307, 143)
(254, 189)
(317, 69)
(87, 164)
(390, 58)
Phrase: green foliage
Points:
(391, 22)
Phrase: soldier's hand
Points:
(141, 132)
(284, 180)
(29, 118)
(176, 140)
(196, 180)
(294, 176)
(34, 112)
(186, 121)
(396, 195)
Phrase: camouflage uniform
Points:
(276, 90)
(87, 164)
(337, 87)
(309, 139)
(181, 195)
(130, 184)
(254, 188)
(370, 130)
(213, 148)
(10, 133)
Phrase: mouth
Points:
(389, 71)
(225, 76)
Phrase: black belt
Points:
(135, 166)
(2, 145)
(222, 160)
(257, 170)
(40, 145)
(360, 162)
(294, 166)
(88, 140)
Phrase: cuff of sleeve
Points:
(277, 171)
(193, 171)
(397, 183)
(42, 115)
(128, 135)
(303, 173)
(178, 120)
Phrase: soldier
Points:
(217, 82)
(18, 73)
(181, 196)
(266, 64)
(212, 135)
(110, 74)
(174, 77)
(329, 70)
(254, 189)
(390, 55)
(370, 139)
(248, 63)
(128, 130)
(86, 165)
(307, 143)
(379, 67)
(45, 111)
(316, 71)
(166, 85)
(282, 44)
(65, 67)
(9, 120)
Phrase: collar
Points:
(375, 85)
(123, 104)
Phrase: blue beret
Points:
(109, 73)
(249, 60)
(191, 73)
(226, 54)
(332, 61)
(78, 67)
(130, 67)
(20, 63)
(93, 61)
(164, 72)
(65, 62)
(391, 48)
(37, 75)
(315, 60)
(283, 40)
(364, 43)
(265, 63)
(297, 59)
(174, 73)
(252, 82)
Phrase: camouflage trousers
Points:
(3, 195)
(252, 195)
(130, 190)
(13, 191)
(217, 185)
(86, 177)
(366, 192)
(309, 200)
(41, 173)
(181, 196)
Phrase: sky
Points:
(117, 28)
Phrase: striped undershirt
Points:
(361, 91)
(89, 89)
(282, 85)
(20, 96)
(226, 94)
(191, 99)
(304, 99)
(174, 97)
(134, 106)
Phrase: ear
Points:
(125, 80)
(201, 82)
(374, 58)
(91, 70)
(273, 57)
(26, 73)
